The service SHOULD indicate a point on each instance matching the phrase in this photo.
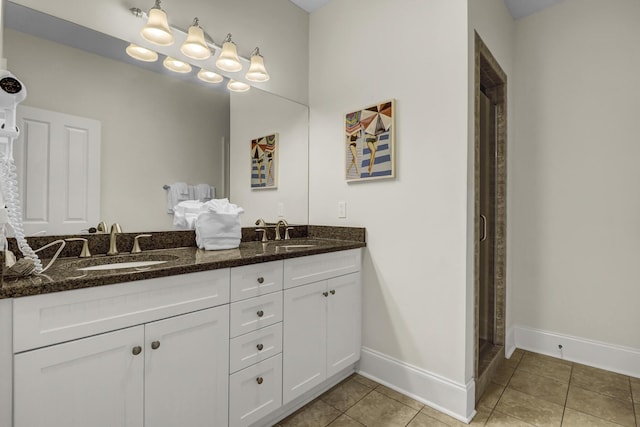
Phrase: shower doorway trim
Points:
(490, 76)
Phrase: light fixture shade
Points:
(141, 53)
(237, 86)
(176, 65)
(228, 59)
(209, 76)
(157, 30)
(257, 72)
(194, 46)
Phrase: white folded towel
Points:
(219, 226)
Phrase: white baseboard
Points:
(510, 343)
(615, 358)
(452, 398)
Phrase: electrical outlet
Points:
(342, 209)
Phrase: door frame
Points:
(490, 75)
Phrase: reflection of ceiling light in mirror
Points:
(194, 46)
(236, 86)
(228, 59)
(176, 65)
(257, 71)
(209, 76)
(157, 30)
(141, 53)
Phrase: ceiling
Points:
(517, 8)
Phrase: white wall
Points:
(575, 218)
(278, 27)
(414, 279)
(255, 114)
(495, 26)
(156, 130)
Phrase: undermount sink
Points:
(117, 266)
(296, 246)
(119, 262)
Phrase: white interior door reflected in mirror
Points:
(57, 158)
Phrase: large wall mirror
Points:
(157, 128)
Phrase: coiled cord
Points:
(9, 185)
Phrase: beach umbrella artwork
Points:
(377, 119)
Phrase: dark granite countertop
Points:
(64, 274)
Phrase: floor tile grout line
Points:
(566, 397)
(633, 403)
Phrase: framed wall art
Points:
(264, 162)
(370, 142)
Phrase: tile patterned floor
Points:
(528, 390)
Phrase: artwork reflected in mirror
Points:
(264, 162)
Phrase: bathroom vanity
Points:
(238, 338)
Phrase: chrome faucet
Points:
(260, 223)
(115, 230)
(286, 229)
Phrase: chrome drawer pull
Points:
(259, 380)
(136, 350)
(261, 280)
(260, 313)
(260, 347)
(155, 345)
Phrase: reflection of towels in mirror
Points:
(180, 192)
(204, 192)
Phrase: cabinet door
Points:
(344, 320)
(187, 370)
(95, 381)
(305, 341)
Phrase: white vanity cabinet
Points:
(241, 346)
(322, 319)
(255, 381)
(166, 372)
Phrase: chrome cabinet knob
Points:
(260, 347)
(260, 313)
(261, 280)
(326, 294)
(332, 291)
(259, 380)
(155, 345)
(136, 350)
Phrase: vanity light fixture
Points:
(157, 30)
(228, 59)
(194, 46)
(257, 71)
(237, 86)
(176, 65)
(209, 76)
(141, 53)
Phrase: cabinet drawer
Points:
(255, 280)
(64, 316)
(255, 347)
(255, 392)
(303, 270)
(255, 313)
